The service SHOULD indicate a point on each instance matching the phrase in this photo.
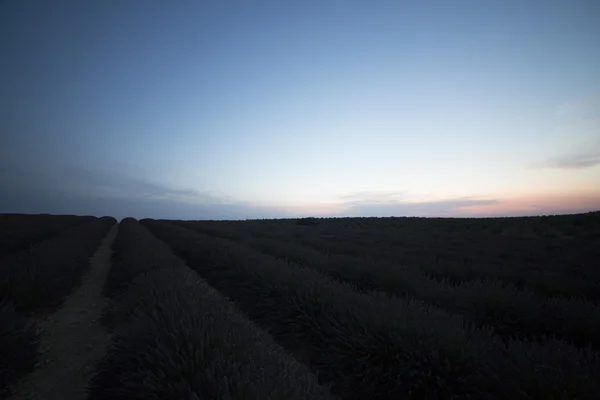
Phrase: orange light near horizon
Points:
(536, 205)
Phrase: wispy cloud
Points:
(121, 185)
(371, 197)
(35, 201)
(383, 204)
(586, 107)
(573, 161)
(77, 190)
(579, 125)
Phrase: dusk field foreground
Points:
(311, 308)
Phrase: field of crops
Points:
(347, 308)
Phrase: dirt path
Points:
(72, 338)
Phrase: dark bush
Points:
(188, 342)
(18, 232)
(127, 259)
(218, 229)
(40, 278)
(143, 291)
(19, 342)
(309, 221)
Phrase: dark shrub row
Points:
(40, 278)
(223, 229)
(22, 231)
(378, 347)
(309, 221)
(10, 221)
(508, 309)
(177, 338)
(574, 259)
(127, 259)
(19, 342)
(539, 279)
(576, 226)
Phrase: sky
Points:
(268, 109)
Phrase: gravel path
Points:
(73, 339)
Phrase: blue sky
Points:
(257, 109)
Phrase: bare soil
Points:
(72, 339)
